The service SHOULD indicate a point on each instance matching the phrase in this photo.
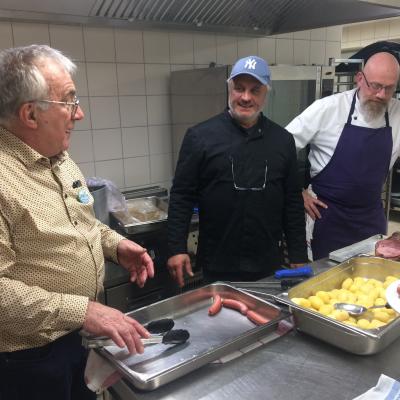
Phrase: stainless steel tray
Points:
(365, 247)
(349, 338)
(132, 225)
(210, 337)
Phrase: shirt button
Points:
(75, 223)
(65, 195)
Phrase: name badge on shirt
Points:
(83, 196)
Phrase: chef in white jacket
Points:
(354, 139)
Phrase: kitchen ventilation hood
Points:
(239, 17)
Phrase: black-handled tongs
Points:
(279, 284)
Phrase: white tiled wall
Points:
(357, 36)
(123, 84)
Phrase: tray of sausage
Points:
(359, 280)
(220, 320)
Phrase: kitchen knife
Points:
(305, 271)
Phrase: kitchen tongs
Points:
(174, 336)
(278, 284)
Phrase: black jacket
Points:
(240, 230)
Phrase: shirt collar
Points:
(28, 156)
(256, 130)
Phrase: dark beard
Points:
(373, 109)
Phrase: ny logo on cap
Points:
(250, 63)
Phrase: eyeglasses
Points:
(377, 87)
(73, 105)
(254, 189)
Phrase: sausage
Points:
(236, 305)
(216, 305)
(256, 318)
(398, 290)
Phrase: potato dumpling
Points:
(326, 309)
(347, 283)
(316, 302)
(375, 323)
(363, 323)
(379, 302)
(324, 296)
(340, 315)
(302, 302)
(382, 316)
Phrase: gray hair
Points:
(21, 79)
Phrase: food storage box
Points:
(346, 337)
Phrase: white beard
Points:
(373, 109)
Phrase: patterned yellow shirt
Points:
(52, 248)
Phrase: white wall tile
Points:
(80, 79)
(317, 52)
(87, 169)
(28, 33)
(135, 141)
(287, 35)
(181, 67)
(158, 110)
(81, 146)
(181, 48)
(68, 39)
(156, 47)
(84, 124)
(318, 34)
(227, 52)
(157, 78)
(367, 31)
(332, 50)
(160, 167)
(129, 46)
(6, 37)
(301, 52)
(302, 35)
(102, 79)
(160, 139)
(99, 44)
(366, 42)
(205, 49)
(133, 110)
(284, 51)
(137, 171)
(112, 170)
(104, 112)
(107, 144)
(394, 28)
(131, 79)
(353, 33)
(247, 47)
(334, 33)
(381, 29)
(267, 49)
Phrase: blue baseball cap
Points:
(254, 66)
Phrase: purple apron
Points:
(351, 185)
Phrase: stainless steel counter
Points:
(293, 367)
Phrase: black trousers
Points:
(51, 372)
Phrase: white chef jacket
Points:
(321, 125)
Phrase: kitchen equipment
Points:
(281, 284)
(210, 337)
(355, 309)
(175, 336)
(393, 296)
(365, 247)
(349, 338)
(293, 272)
(100, 206)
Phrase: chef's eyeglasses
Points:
(254, 189)
(377, 87)
(72, 105)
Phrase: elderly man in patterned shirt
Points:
(52, 248)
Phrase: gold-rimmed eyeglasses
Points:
(254, 189)
(73, 105)
(377, 87)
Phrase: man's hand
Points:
(311, 205)
(101, 320)
(176, 266)
(136, 261)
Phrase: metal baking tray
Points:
(132, 225)
(349, 338)
(365, 247)
(210, 337)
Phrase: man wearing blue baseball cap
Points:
(240, 169)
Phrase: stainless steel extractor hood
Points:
(239, 17)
